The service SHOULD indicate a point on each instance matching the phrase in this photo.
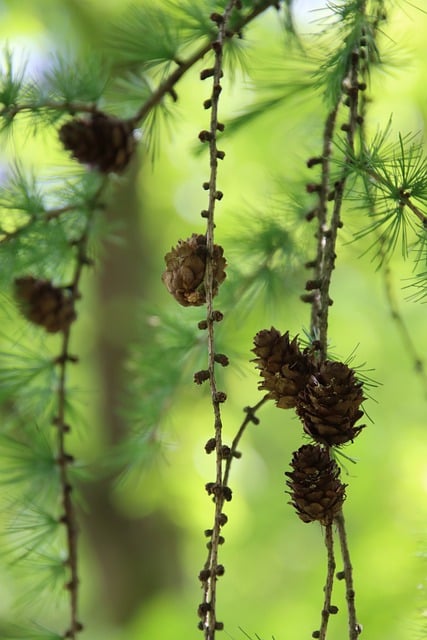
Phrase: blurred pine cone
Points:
(44, 304)
(101, 141)
(283, 366)
(315, 488)
(329, 404)
(185, 270)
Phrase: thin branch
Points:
(11, 111)
(250, 417)
(354, 628)
(64, 459)
(405, 334)
(168, 85)
(220, 491)
(326, 611)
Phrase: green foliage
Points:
(70, 79)
(27, 632)
(147, 37)
(11, 87)
(394, 192)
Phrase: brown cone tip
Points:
(44, 304)
(284, 368)
(315, 488)
(104, 142)
(329, 404)
(185, 270)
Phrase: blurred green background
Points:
(142, 538)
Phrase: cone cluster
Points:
(104, 142)
(329, 404)
(326, 397)
(315, 488)
(284, 368)
(185, 270)
(44, 304)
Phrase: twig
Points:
(354, 628)
(168, 85)
(250, 417)
(326, 611)
(405, 334)
(207, 610)
(64, 459)
(68, 518)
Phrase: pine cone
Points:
(44, 304)
(329, 405)
(315, 488)
(185, 270)
(283, 366)
(101, 141)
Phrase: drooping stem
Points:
(68, 517)
(219, 490)
(167, 86)
(250, 417)
(354, 628)
(326, 611)
(64, 459)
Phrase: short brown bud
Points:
(222, 519)
(201, 376)
(205, 136)
(221, 358)
(217, 316)
(311, 162)
(217, 17)
(206, 73)
(220, 396)
(210, 445)
(204, 575)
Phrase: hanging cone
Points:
(104, 142)
(283, 366)
(185, 270)
(329, 404)
(44, 304)
(315, 488)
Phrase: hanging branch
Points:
(249, 418)
(354, 628)
(9, 111)
(328, 608)
(65, 459)
(327, 231)
(218, 489)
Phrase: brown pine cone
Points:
(315, 488)
(44, 304)
(329, 404)
(104, 142)
(185, 270)
(283, 366)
